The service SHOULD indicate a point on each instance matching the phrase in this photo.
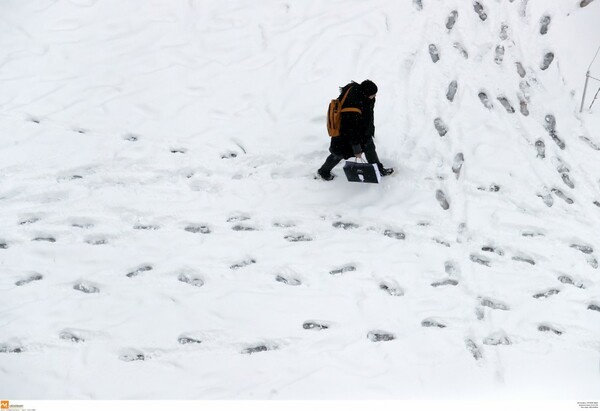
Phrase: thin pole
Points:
(594, 59)
(595, 97)
(587, 78)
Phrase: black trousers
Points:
(368, 149)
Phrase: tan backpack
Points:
(334, 114)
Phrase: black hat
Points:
(368, 87)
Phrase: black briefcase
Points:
(362, 172)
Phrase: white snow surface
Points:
(146, 143)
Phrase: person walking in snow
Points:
(357, 129)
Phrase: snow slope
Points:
(162, 236)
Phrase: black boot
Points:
(325, 171)
(385, 171)
(326, 177)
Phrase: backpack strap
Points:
(349, 109)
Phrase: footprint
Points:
(520, 69)
(541, 149)
(434, 53)
(559, 142)
(379, 335)
(69, 178)
(463, 52)
(96, 241)
(131, 354)
(585, 3)
(71, 336)
(288, 280)
(565, 279)
(480, 260)
(443, 283)
(548, 328)
(86, 288)
(33, 277)
(391, 290)
(459, 160)
(548, 58)
(503, 31)
(242, 227)
(522, 259)
(146, 227)
(284, 224)
(229, 154)
(547, 199)
(451, 92)
(82, 225)
(178, 150)
(450, 268)
(243, 264)
(493, 304)
(259, 348)
(342, 270)
(315, 325)
(296, 238)
(131, 137)
(139, 271)
(562, 196)
(183, 339)
(493, 188)
(430, 322)
(440, 127)
(490, 249)
(550, 123)
(394, 234)
(561, 167)
(499, 54)
(28, 221)
(591, 260)
(567, 180)
(523, 8)
(474, 349)
(451, 20)
(11, 348)
(586, 249)
(3, 245)
(546, 294)
(441, 242)
(485, 100)
(498, 338)
(45, 239)
(238, 218)
(507, 106)
(418, 4)
(479, 10)
(594, 307)
(544, 23)
(441, 198)
(190, 279)
(345, 225)
(198, 229)
(523, 106)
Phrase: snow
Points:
(156, 170)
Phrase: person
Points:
(357, 130)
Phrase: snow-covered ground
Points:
(162, 236)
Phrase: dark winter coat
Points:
(356, 129)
